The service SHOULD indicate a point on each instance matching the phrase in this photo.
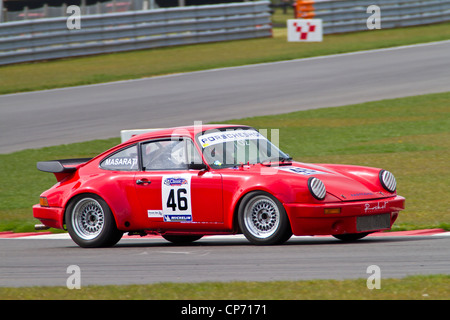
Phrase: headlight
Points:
(317, 188)
(387, 180)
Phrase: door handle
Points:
(143, 181)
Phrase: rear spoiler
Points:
(61, 166)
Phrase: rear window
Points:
(124, 160)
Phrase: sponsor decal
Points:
(154, 213)
(121, 161)
(302, 171)
(228, 136)
(362, 194)
(380, 206)
(175, 181)
(177, 218)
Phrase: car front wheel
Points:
(263, 220)
(90, 222)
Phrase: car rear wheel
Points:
(90, 222)
(263, 220)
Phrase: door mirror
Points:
(197, 166)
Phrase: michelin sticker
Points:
(213, 138)
(302, 171)
(176, 198)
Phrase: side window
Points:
(164, 155)
(169, 154)
(124, 160)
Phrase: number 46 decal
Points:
(176, 198)
(179, 201)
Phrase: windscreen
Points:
(232, 147)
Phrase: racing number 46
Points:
(178, 200)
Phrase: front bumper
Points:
(353, 216)
(50, 216)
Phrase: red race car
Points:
(187, 182)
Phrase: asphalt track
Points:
(37, 261)
(52, 117)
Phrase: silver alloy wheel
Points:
(261, 217)
(88, 218)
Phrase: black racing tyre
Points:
(350, 237)
(181, 239)
(263, 219)
(90, 222)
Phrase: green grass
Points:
(147, 63)
(433, 287)
(409, 137)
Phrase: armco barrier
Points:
(43, 39)
(340, 16)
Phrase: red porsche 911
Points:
(186, 182)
